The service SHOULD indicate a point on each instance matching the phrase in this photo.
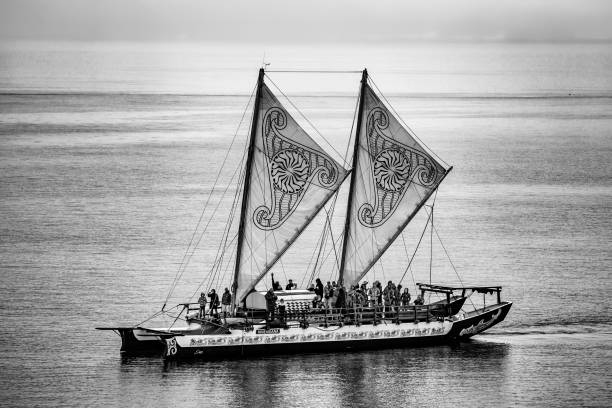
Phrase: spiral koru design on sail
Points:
(292, 168)
(391, 170)
(289, 170)
(394, 167)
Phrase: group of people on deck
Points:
(213, 303)
(329, 296)
(333, 295)
(336, 296)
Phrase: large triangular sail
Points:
(393, 176)
(289, 179)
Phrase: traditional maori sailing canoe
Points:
(288, 179)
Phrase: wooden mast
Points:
(364, 82)
(247, 183)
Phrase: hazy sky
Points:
(306, 20)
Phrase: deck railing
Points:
(367, 314)
(355, 314)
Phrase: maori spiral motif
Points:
(394, 167)
(275, 120)
(292, 168)
(289, 170)
(391, 170)
(171, 347)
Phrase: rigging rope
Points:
(333, 206)
(408, 256)
(445, 251)
(156, 314)
(208, 277)
(331, 234)
(223, 244)
(216, 268)
(451, 262)
(431, 234)
(322, 240)
(415, 250)
(382, 269)
(307, 71)
(185, 259)
(211, 217)
(329, 253)
(318, 244)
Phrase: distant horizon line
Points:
(408, 95)
(491, 40)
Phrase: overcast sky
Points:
(306, 20)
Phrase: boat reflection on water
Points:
(366, 378)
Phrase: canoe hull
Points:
(295, 340)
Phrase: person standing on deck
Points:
(406, 297)
(340, 299)
(327, 294)
(334, 294)
(319, 291)
(398, 295)
(358, 296)
(271, 303)
(365, 292)
(375, 294)
(375, 297)
(380, 289)
(214, 302)
(319, 288)
(389, 297)
(357, 299)
(282, 310)
(202, 302)
(226, 301)
(276, 284)
(291, 285)
(350, 297)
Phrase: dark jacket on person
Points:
(214, 299)
(270, 300)
(319, 289)
(341, 299)
(282, 310)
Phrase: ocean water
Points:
(109, 151)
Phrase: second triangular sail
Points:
(291, 178)
(394, 176)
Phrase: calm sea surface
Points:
(108, 153)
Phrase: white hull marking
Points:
(480, 326)
(296, 335)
